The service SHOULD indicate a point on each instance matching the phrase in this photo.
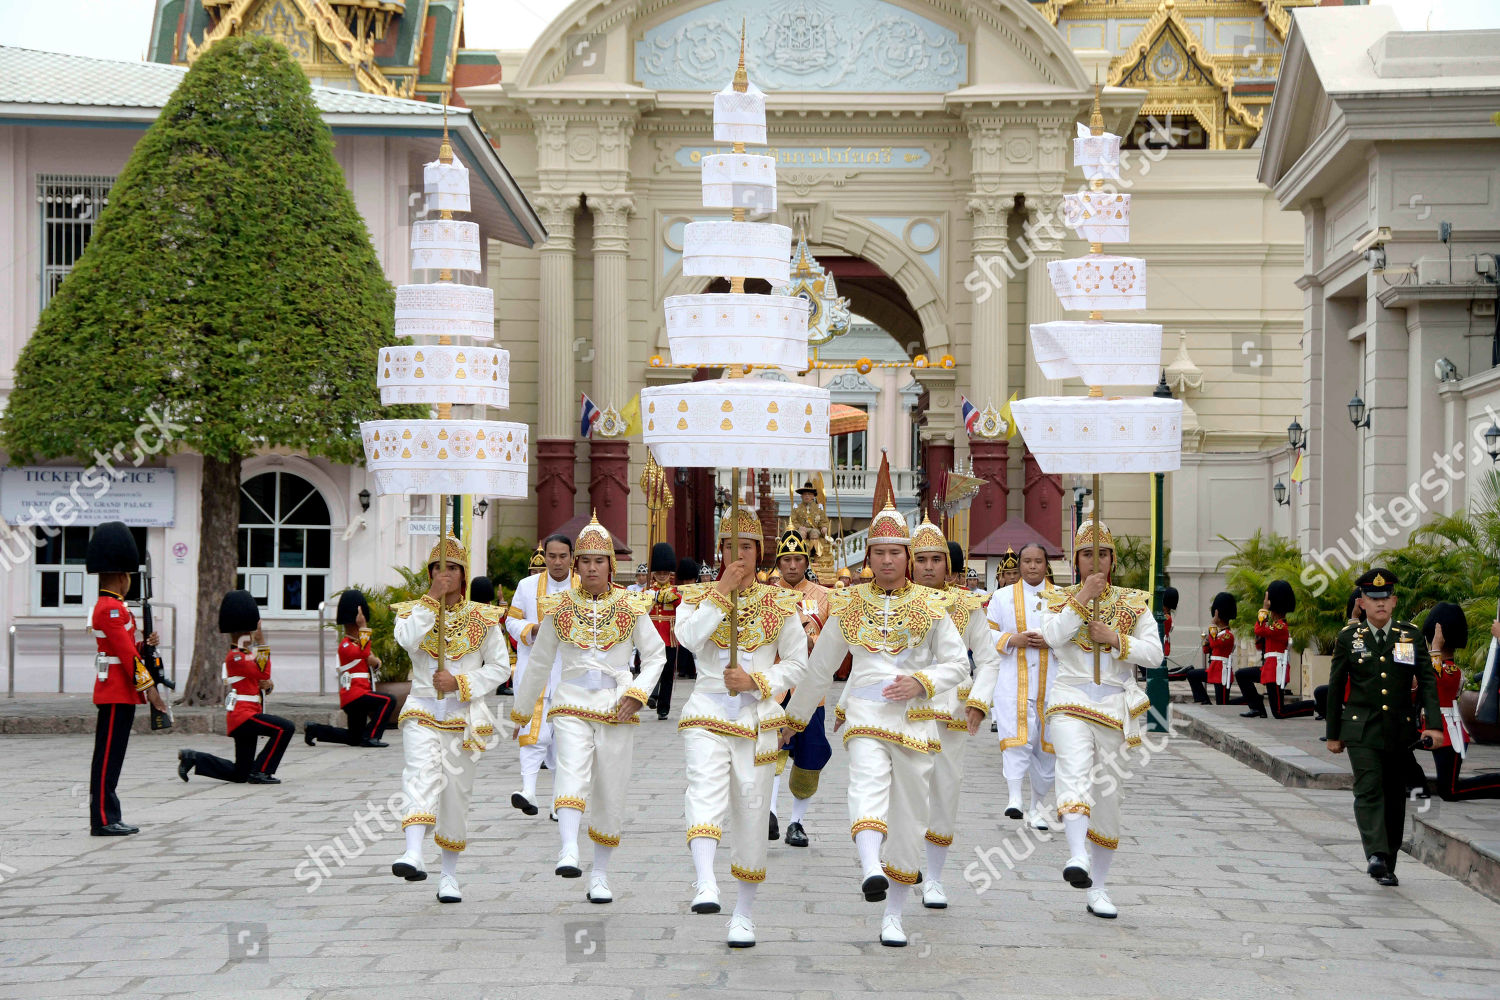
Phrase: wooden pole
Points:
(833, 473)
(1098, 508)
(734, 555)
(442, 642)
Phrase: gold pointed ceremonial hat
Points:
(1084, 539)
(595, 539)
(888, 527)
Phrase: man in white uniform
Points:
(446, 722)
(1093, 721)
(1021, 694)
(521, 621)
(905, 651)
(597, 630)
(729, 724)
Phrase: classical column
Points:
(1044, 231)
(609, 458)
(556, 391)
(989, 356)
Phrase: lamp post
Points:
(1359, 414)
(1492, 442)
(1279, 492)
(1158, 691)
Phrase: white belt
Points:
(1098, 692)
(1283, 667)
(732, 703)
(595, 680)
(107, 659)
(346, 678)
(871, 692)
(1222, 662)
(234, 698)
(1454, 725)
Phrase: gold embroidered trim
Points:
(1066, 807)
(464, 694)
(763, 611)
(939, 839)
(897, 875)
(961, 604)
(605, 839)
(1119, 608)
(925, 681)
(425, 819)
(449, 845)
(590, 623)
(705, 830)
(958, 725)
(568, 802)
(875, 733)
(867, 823)
(746, 874)
(1087, 714)
(715, 726)
(591, 715)
(866, 622)
(774, 722)
(925, 714)
(425, 718)
(1110, 843)
(773, 757)
(638, 695)
(761, 684)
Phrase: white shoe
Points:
(741, 932)
(707, 898)
(1101, 906)
(599, 888)
(933, 897)
(448, 890)
(1037, 819)
(1013, 810)
(567, 862)
(523, 802)
(891, 934)
(409, 867)
(1077, 873)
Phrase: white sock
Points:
(799, 809)
(1037, 800)
(568, 822)
(450, 862)
(1014, 787)
(746, 899)
(867, 843)
(528, 785)
(601, 859)
(937, 856)
(414, 837)
(1100, 859)
(703, 849)
(895, 898)
(775, 792)
(1076, 825)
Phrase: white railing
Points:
(851, 551)
(855, 483)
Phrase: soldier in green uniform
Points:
(1371, 714)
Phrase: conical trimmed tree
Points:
(230, 288)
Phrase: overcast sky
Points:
(118, 29)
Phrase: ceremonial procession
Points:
(606, 432)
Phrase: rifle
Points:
(149, 656)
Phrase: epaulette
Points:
(694, 594)
(491, 614)
(549, 604)
(403, 608)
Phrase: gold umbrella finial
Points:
(445, 149)
(741, 78)
(1096, 116)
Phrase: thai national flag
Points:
(970, 415)
(587, 417)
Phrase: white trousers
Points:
(438, 781)
(888, 790)
(723, 782)
(1084, 753)
(947, 783)
(534, 755)
(593, 773)
(1030, 760)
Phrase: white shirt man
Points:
(1020, 695)
(521, 621)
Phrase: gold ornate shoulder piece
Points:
(839, 601)
(489, 613)
(549, 604)
(403, 609)
(694, 593)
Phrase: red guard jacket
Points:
(354, 670)
(1220, 648)
(124, 676)
(244, 671)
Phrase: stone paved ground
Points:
(1230, 885)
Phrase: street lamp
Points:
(1492, 442)
(1279, 491)
(1295, 435)
(482, 507)
(364, 500)
(1359, 414)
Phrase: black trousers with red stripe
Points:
(111, 738)
(368, 714)
(246, 735)
(1452, 788)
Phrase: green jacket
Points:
(1379, 711)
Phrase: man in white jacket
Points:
(596, 629)
(906, 651)
(1095, 718)
(446, 722)
(1020, 696)
(729, 724)
(521, 621)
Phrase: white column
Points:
(611, 297)
(1044, 236)
(556, 405)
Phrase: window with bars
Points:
(70, 207)
(285, 543)
(59, 579)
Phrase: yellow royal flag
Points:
(1297, 472)
(630, 413)
(1010, 421)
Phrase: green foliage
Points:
(230, 285)
(1259, 560)
(1133, 561)
(395, 664)
(507, 562)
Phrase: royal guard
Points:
(522, 620)
(905, 652)
(1218, 648)
(596, 629)
(1094, 706)
(843, 578)
(936, 563)
(1010, 568)
(1020, 697)
(447, 722)
(665, 597)
(247, 672)
(121, 680)
(1273, 639)
(1446, 630)
(1371, 714)
(368, 710)
(729, 723)
(538, 561)
(809, 751)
